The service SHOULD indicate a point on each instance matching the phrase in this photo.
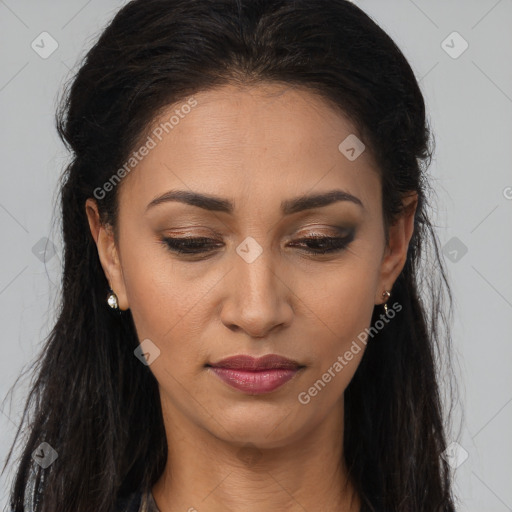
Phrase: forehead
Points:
(251, 142)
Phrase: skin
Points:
(255, 146)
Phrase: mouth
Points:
(255, 375)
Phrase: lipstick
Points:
(255, 375)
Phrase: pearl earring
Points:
(112, 300)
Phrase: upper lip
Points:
(269, 361)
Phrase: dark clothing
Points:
(137, 502)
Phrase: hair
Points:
(92, 400)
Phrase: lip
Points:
(267, 362)
(255, 375)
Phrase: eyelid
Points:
(328, 231)
(190, 246)
(306, 231)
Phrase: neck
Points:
(210, 474)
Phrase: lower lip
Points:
(254, 382)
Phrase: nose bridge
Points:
(255, 270)
(257, 299)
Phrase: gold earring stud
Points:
(385, 296)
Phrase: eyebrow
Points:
(288, 207)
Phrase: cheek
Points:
(162, 301)
(342, 297)
(352, 310)
(340, 304)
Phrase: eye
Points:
(324, 244)
(314, 245)
(190, 245)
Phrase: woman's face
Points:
(252, 288)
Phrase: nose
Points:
(258, 300)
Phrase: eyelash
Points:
(193, 246)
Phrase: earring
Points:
(112, 300)
(386, 295)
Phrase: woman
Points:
(244, 222)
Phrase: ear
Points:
(107, 252)
(395, 254)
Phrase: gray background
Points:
(469, 101)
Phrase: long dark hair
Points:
(92, 400)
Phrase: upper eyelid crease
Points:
(288, 207)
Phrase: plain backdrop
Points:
(460, 50)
